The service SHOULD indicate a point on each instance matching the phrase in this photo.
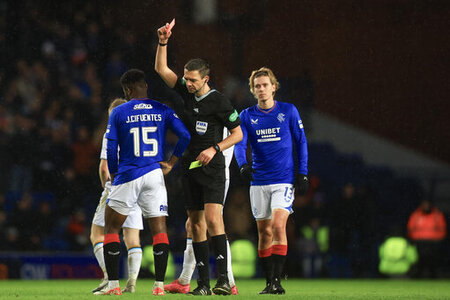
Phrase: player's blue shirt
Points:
(138, 128)
(272, 134)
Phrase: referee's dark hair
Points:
(198, 64)
(131, 77)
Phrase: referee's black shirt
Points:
(205, 117)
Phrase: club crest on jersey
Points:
(201, 127)
(143, 106)
(300, 124)
(254, 122)
(281, 117)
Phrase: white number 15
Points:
(136, 141)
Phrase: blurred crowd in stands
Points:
(59, 70)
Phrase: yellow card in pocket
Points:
(195, 164)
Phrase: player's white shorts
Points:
(228, 154)
(134, 219)
(147, 191)
(265, 198)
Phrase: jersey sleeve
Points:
(298, 133)
(228, 114)
(113, 142)
(104, 145)
(240, 150)
(180, 130)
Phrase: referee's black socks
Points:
(219, 245)
(201, 253)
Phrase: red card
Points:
(171, 24)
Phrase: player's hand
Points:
(206, 155)
(165, 167)
(302, 184)
(247, 172)
(165, 32)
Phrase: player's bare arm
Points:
(161, 67)
(103, 172)
(167, 166)
(235, 137)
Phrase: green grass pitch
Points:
(248, 289)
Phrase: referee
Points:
(205, 113)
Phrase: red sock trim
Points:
(111, 238)
(279, 249)
(160, 238)
(265, 252)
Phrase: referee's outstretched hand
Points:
(164, 34)
(302, 184)
(246, 172)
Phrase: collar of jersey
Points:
(146, 98)
(267, 111)
(203, 96)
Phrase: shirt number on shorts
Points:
(289, 191)
(137, 141)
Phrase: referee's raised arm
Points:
(169, 77)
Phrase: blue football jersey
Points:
(272, 135)
(136, 136)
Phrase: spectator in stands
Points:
(3, 230)
(45, 219)
(346, 219)
(78, 231)
(427, 229)
(24, 143)
(24, 219)
(313, 245)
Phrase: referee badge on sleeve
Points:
(233, 116)
(201, 127)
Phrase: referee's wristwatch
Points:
(217, 148)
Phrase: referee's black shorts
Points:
(204, 185)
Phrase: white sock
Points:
(159, 284)
(188, 263)
(230, 270)
(134, 262)
(112, 284)
(98, 252)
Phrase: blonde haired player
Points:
(273, 129)
(130, 228)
